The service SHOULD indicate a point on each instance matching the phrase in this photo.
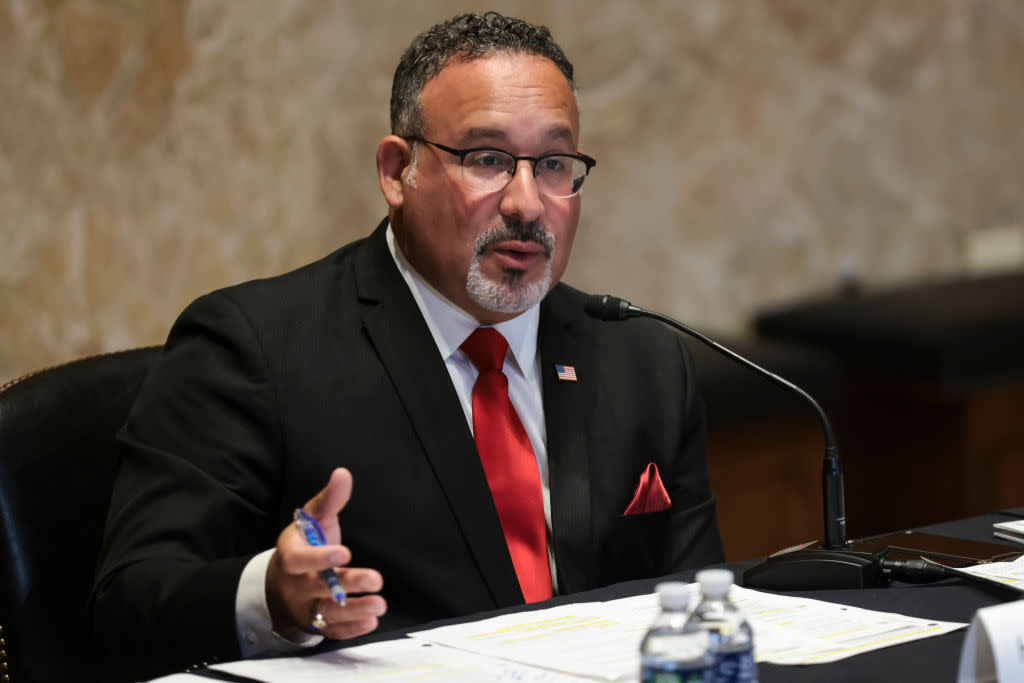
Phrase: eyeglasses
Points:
(489, 170)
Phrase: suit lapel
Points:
(399, 334)
(568, 414)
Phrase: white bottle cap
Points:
(673, 595)
(715, 583)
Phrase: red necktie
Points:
(509, 463)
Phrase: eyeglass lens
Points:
(557, 175)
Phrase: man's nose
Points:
(521, 198)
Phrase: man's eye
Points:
(487, 160)
(553, 164)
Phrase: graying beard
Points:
(508, 296)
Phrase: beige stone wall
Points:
(750, 151)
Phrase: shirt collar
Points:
(450, 325)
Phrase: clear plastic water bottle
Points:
(732, 640)
(675, 649)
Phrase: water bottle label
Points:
(675, 674)
(735, 667)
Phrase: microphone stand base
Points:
(812, 567)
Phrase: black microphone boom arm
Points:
(607, 307)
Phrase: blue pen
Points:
(314, 535)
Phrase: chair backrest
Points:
(57, 462)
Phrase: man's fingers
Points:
(302, 558)
(299, 555)
(353, 580)
(355, 608)
(350, 629)
(293, 578)
(359, 580)
(358, 616)
(326, 504)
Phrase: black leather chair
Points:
(57, 462)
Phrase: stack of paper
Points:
(1008, 573)
(1011, 531)
(593, 641)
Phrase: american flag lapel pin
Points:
(566, 373)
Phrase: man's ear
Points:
(393, 156)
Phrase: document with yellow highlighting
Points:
(601, 640)
(592, 641)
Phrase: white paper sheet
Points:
(598, 640)
(602, 640)
(1011, 531)
(592, 641)
(1009, 573)
(793, 630)
(393, 661)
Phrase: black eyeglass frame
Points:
(589, 162)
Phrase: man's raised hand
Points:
(297, 593)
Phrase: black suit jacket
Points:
(265, 387)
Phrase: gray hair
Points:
(465, 37)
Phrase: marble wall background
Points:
(751, 151)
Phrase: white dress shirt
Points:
(450, 326)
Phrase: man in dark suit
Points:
(364, 371)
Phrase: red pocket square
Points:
(650, 495)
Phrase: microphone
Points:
(832, 565)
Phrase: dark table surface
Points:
(929, 659)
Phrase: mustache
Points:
(518, 232)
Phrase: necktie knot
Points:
(486, 348)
